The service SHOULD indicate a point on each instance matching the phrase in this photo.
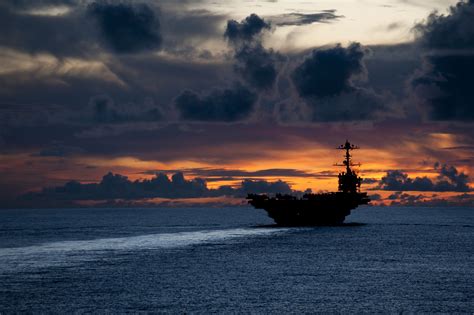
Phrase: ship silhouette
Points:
(317, 209)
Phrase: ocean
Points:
(232, 260)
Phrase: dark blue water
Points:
(200, 260)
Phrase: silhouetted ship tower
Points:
(317, 209)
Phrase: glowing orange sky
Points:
(307, 155)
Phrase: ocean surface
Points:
(231, 260)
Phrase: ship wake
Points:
(66, 253)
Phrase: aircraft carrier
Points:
(317, 209)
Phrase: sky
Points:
(144, 103)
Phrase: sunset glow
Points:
(227, 93)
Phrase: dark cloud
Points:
(227, 105)
(389, 66)
(325, 81)
(116, 186)
(83, 33)
(299, 19)
(444, 84)
(127, 28)
(246, 30)
(257, 66)
(358, 105)
(399, 195)
(62, 35)
(407, 200)
(375, 197)
(449, 179)
(328, 72)
(104, 110)
(444, 81)
(60, 150)
(452, 31)
(86, 28)
(453, 176)
(88, 99)
(35, 4)
(254, 63)
(123, 27)
(184, 31)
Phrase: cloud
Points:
(127, 28)
(247, 30)
(60, 150)
(231, 104)
(444, 86)
(90, 27)
(34, 4)
(103, 110)
(61, 35)
(122, 27)
(358, 105)
(257, 66)
(187, 33)
(374, 197)
(452, 31)
(117, 190)
(325, 81)
(298, 19)
(453, 176)
(403, 199)
(443, 83)
(328, 72)
(449, 179)
(254, 63)
(116, 186)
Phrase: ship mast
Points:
(348, 147)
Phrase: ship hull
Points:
(315, 210)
